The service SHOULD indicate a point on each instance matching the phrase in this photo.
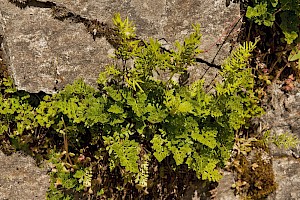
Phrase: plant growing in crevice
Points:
(265, 12)
(255, 177)
(252, 165)
(65, 176)
(283, 141)
(276, 22)
(121, 140)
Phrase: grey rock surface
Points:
(44, 53)
(21, 179)
(283, 116)
(224, 191)
(287, 176)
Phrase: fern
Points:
(127, 152)
(265, 12)
(134, 121)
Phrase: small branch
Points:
(66, 143)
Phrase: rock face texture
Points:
(281, 117)
(45, 53)
(287, 176)
(224, 191)
(21, 179)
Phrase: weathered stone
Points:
(21, 179)
(287, 176)
(224, 190)
(283, 117)
(44, 54)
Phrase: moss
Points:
(262, 179)
(255, 176)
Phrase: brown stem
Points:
(66, 143)
(279, 72)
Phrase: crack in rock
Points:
(93, 26)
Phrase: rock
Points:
(224, 191)
(282, 117)
(45, 53)
(287, 176)
(21, 179)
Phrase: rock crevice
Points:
(48, 44)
